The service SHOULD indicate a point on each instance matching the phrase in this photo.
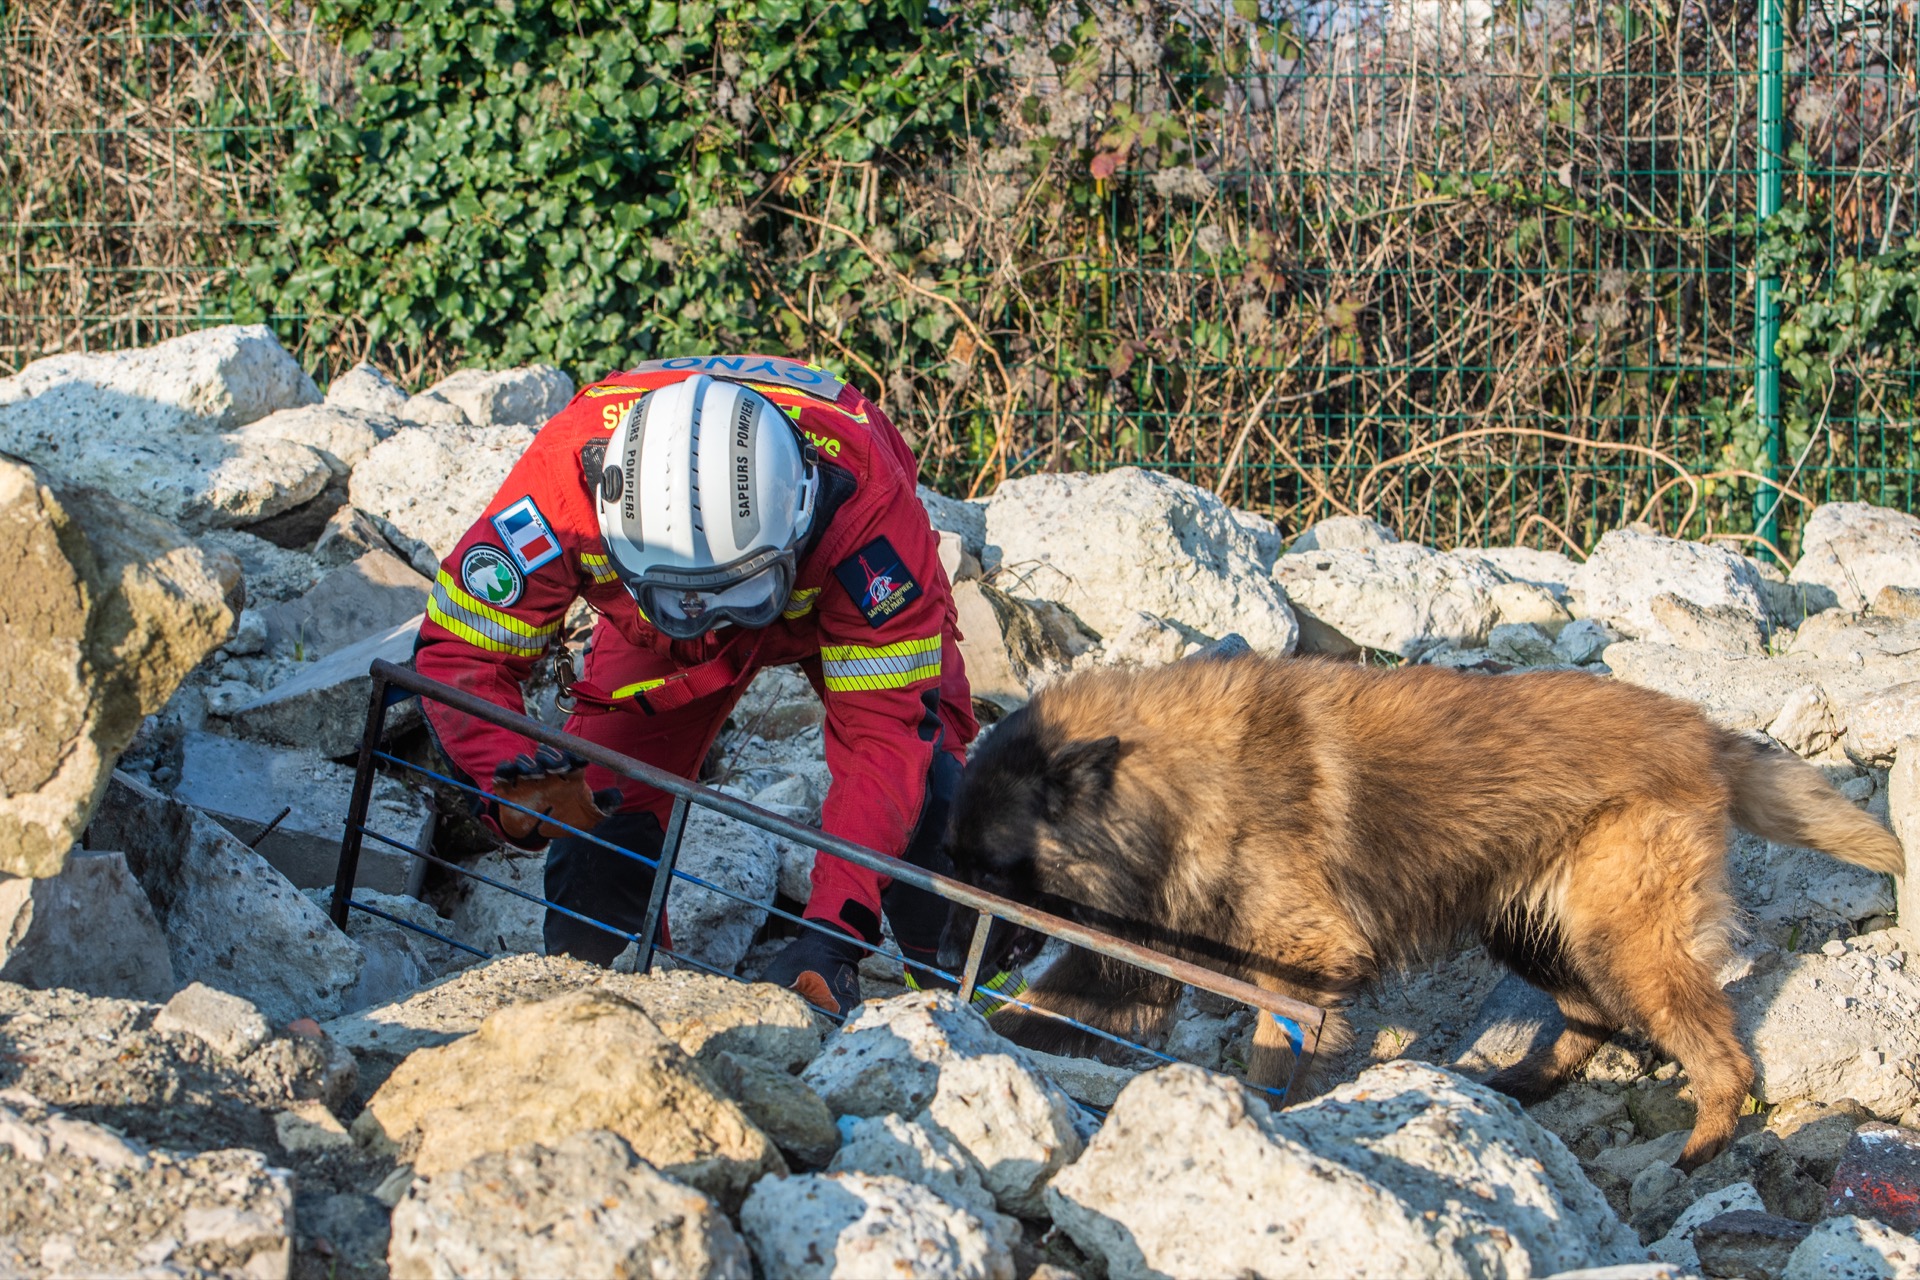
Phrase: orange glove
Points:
(551, 782)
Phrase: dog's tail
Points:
(1782, 797)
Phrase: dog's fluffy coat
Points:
(1306, 825)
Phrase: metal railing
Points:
(394, 684)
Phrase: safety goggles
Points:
(686, 605)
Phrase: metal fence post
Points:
(662, 881)
(349, 868)
(1766, 307)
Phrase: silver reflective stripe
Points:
(446, 610)
(891, 665)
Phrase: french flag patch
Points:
(525, 534)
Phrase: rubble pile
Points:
(201, 1075)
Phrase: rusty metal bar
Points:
(349, 869)
(1309, 1016)
(976, 951)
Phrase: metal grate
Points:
(394, 684)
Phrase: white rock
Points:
(1407, 1171)
(1876, 726)
(498, 922)
(711, 927)
(1582, 641)
(523, 397)
(431, 409)
(951, 515)
(1524, 602)
(1521, 642)
(1343, 533)
(1108, 546)
(853, 1226)
(215, 379)
(1807, 724)
(89, 928)
(1853, 549)
(1720, 628)
(322, 705)
(1781, 883)
(231, 920)
(1549, 569)
(1848, 1248)
(1012, 646)
(1619, 581)
(586, 1206)
(923, 1053)
(228, 1022)
(1404, 599)
(1677, 1245)
(1903, 813)
(1820, 1026)
(888, 1145)
(342, 437)
(1739, 692)
(367, 389)
(431, 484)
(156, 425)
(1144, 640)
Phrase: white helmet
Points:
(705, 498)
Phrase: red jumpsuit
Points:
(870, 621)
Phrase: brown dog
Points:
(1306, 825)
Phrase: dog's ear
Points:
(1080, 771)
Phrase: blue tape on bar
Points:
(1295, 1036)
(396, 695)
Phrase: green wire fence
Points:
(1487, 271)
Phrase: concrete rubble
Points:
(219, 1081)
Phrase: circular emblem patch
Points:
(490, 575)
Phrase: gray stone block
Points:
(374, 594)
(1515, 1019)
(89, 928)
(324, 708)
(243, 785)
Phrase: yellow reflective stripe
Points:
(892, 680)
(628, 690)
(480, 608)
(853, 667)
(459, 628)
(481, 625)
(599, 567)
(800, 603)
(852, 652)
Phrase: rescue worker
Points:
(721, 514)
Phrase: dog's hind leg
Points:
(1646, 923)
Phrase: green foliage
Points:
(1849, 326)
(574, 180)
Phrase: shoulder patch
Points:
(528, 537)
(490, 575)
(877, 579)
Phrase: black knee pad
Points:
(918, 917)
(601, 884)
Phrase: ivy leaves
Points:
(573, 180)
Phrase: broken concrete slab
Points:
(231, 920)
(373, 594)
(245, 785)
(324, 707)
(89, 929)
